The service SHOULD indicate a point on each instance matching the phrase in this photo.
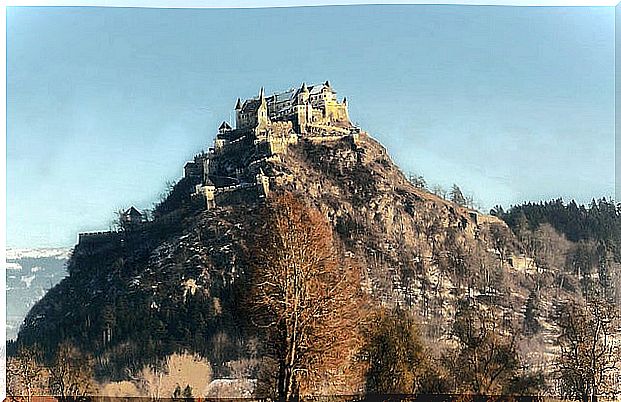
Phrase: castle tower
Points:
(304, 109)
(303, 94)
(345, 110)
(224, 127)
(238, 108)
(262, 117)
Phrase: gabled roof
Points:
(225, 126)
(316, 89)
(133, 212)
(282, 96)
(251, 105)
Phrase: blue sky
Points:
(104, 105)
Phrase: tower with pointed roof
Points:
(262, 116)
(238, 109)
(303, 109)
(252, 113)
(224, 128)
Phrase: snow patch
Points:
(18, 253)
(13, 265)
(230, 388)
(28, 280)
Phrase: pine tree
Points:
(457, 196)
(531, 323)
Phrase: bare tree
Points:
(71, 375)
(26, 375)
(159, 381)
(588, 351)
(486, 361)
(439, 191)
(305, 300)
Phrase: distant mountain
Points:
(30, 273)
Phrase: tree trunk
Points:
(281, 380)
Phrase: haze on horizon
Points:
(104, 105)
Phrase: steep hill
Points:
(172, 283)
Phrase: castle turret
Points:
(238, 109)
(207, 192)
(224, 127)
(303, 94)
(345, 110)
(262, 117)
(304, 110)
(261, 95)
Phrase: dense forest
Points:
(598, 222)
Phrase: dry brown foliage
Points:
(306, 300)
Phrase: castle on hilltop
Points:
(265, 127)
(239, 165)
(310, 109)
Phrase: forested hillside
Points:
(597, 222)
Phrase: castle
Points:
(309, 109)
(265, 126)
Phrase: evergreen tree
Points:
(457, 196)
(176, 396)
(531, 323)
